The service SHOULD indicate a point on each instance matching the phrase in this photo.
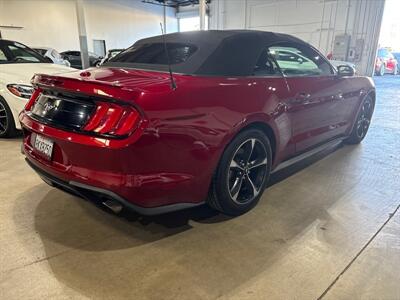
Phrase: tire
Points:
(382, 70)
(242, 173)
(395, 70)
(7, 123)
(362, 123)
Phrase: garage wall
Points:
(53, 23)
(315, 21)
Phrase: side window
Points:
(265, 65)
(2, 56)
(20, 54)
(299, 61)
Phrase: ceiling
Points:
(174, 3)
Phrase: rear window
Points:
(155, 54)
(383, 52)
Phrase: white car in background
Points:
(18, 64)
(53, 55)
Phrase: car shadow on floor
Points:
(65, 219)
(175, 222)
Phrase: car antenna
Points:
(173, 84)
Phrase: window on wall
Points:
(191, 24)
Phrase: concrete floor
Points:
(330, 230)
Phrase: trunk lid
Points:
(97, 101)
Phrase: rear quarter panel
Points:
(189, 128)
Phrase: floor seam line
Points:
(391, 215)
(47, 258)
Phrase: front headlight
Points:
(21, 90)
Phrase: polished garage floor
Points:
(329, 230)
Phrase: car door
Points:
(315, 103)
(274, 92)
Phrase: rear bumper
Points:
(92, 192)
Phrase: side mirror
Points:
(345, 70)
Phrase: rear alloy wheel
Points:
(362, 123)
(7, 125)
(242, 173)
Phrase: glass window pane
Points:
(155, 54)
(2, 56)
(298, 62)
(265, 65)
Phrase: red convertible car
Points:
(385, 62)
(179, 120)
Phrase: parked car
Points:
(110, 54)
(385, 63)
(53, 55)
(397, 57)
(74, 58)
(18, 64)
(230, 112)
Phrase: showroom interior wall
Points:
(54, 23)
(315, 21)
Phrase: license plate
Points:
(43, 146)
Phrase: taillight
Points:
(33, 98)
(113, 119)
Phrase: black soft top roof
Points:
(219, 52)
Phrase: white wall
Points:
(45, 23)
(390, 31)
(315, 21)
(122, 22)
(53, 23)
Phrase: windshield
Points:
(383, 52)
(13, 53)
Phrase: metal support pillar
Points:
(202, 14)
(80, 14)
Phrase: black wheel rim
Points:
(3, 119)
(247, 171)
(364, 118)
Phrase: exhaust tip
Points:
(113, 205)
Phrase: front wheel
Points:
(363, 121)
(7, 124)
(242, 173)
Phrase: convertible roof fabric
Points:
(219, 52)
